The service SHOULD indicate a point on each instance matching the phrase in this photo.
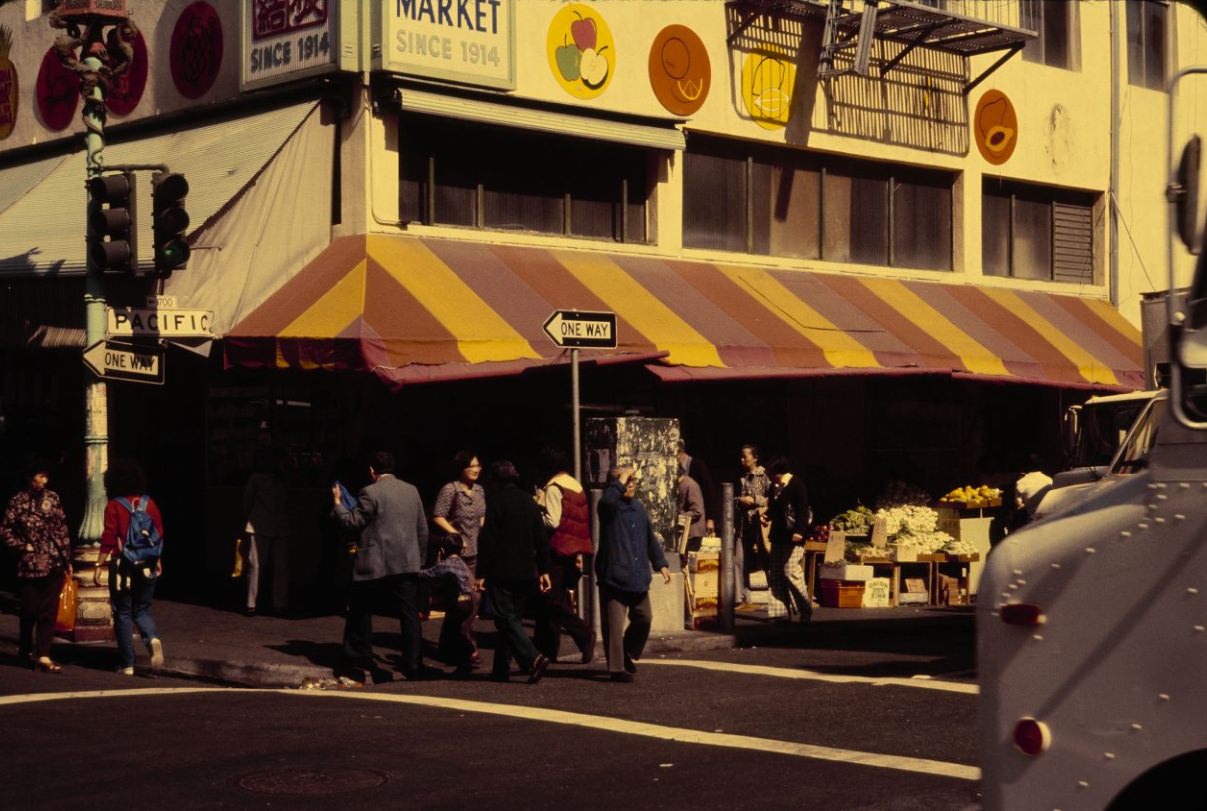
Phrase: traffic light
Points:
(169, 221)
(112, 243)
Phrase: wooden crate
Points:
(841, 594)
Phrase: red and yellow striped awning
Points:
(412, 309)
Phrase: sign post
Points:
(576, 330)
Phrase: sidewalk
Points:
(225, 647)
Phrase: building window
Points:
(739, 197)
(1037, 232)
(1055, 22)
(1147, 43)
(524, 181)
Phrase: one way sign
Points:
(582, 330)
(124, 362)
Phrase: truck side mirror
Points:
(1184, 194)
(1070, 429)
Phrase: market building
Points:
(893, 241)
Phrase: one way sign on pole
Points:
(582, 330)
(124, 362)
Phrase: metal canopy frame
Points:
(910, 23)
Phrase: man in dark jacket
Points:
(389, 553)
(513, 562)
(790, 516)
(627, 549)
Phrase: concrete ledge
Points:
(245, 674)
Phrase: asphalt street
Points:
(882, 723)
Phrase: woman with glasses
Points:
(458, 513)
(35, 528)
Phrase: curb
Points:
(260, 675)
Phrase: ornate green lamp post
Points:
(102, 56)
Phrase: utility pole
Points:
(84, 23)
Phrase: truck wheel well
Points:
(1175, 784)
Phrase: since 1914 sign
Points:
(468, 41)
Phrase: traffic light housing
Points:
(112, 214)
(169, 221)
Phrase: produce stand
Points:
(814, 555)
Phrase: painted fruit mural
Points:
(767, 83)
(10, 87)
(680, 71)
(582, 54)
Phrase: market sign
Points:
(468, 41)
(285, 40)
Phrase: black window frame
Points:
(759, 211)
(1045, 18)
(432, 148)
(1148, 61)
(1072, 244)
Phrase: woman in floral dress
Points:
(36, 529)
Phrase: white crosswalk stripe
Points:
(920, 682)
(584, 720)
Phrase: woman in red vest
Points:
(565, 512)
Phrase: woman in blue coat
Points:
(627, 550)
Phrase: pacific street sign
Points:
(133, 364)
(159, 322)
(582, 330)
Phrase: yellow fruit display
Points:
(973, 496)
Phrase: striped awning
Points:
(412, 309)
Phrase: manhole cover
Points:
(310, 781)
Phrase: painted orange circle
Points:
(995, 127)
(680, 73)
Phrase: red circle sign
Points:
(127, 89)
(58, 91)
(195, 52)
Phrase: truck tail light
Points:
(1032, 737)
(1027, 614)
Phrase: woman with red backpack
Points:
(131, 544)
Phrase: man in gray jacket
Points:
(391, 549)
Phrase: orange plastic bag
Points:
(64, 622)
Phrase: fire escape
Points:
(961, 27)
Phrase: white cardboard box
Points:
(846, 571)
(876, 592)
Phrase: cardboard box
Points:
(845, 571)
(703, 561)
(837, 594)
(704, 584)
(877, 593)
(949, 591)
(913, 592)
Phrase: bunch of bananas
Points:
(969, 493)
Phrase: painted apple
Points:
(569, 60)
(594, 68)
(583, 31)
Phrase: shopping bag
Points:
(486, 606)
(237, 570)
(64, 622)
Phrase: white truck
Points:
(1092, 623)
